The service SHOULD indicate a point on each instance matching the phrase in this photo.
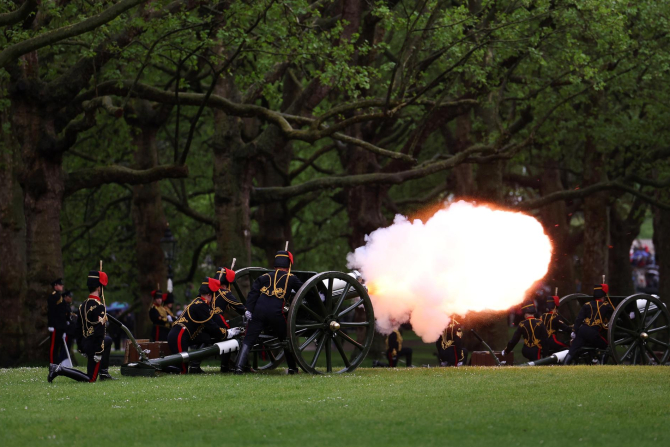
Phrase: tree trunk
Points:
(556, 224)
(662, 247)
(12, 252)
(149, 221)
(232, 187)
(622, 234)
(596, 222)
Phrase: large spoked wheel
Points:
(639, 331)
(321, 319)
(267, 353)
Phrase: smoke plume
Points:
(464, 258)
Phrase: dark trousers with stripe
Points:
(587, 336)
(531, 353)
(90, 346)
(268, 315)
(159, 333)
(57, 348)
(553, 345)
(178, 340)
(393, 361)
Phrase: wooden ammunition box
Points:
(156, 349)
(483, 358)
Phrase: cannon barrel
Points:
(554, 359)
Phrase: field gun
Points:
(331, 312)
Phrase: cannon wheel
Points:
(317, 324)
(262, 357)
(639, 331)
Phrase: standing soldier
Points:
(450, 348)
(159, 317)
(196, 318)
(223, 301)
(534, 334)
(95, 343)
(265, 308)
(58, 321)
(591, 324)
(168, 303)
(394, 349)
(554, 323)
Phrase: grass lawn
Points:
(566, 406)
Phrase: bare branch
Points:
(10, 18)
(90, 178)
(185, 209)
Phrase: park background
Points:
(243, 124)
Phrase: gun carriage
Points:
(330, 324)
(638, 332)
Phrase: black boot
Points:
(290, 361)
(194, 367)
(104, 375)
(242, 359)
(225, 363)
(75, 374)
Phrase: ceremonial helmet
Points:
(168, 298)
(283, 259)
(155, 294)
(552, 302)
(57, 282)
(600, 291)
(227, 277)
(209, 286)
(528, 307)
(96, 279)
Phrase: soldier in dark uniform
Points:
(394, 349)
(222, 302)
(94, 343)
(168, 303)
(265, 308)
(58, 317)
(534, 334)
(198, 317)
(159, 317)
(450, 348)
(590, 329)
(554, 323)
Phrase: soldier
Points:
(223, 301)
(159, 317)
(394, 349)
(196, 318)
(168, 303)
(450, 348)
(58, 317)
(95, 344)
(590, 327)
(534, 334)
(265, 308)
(554, 323)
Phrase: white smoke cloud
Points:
(464, 258)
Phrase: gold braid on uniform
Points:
(277, 291)
(531, 340)
(446, 342)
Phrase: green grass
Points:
(594, 406)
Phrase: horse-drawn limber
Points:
(638, 333)
(330, 327)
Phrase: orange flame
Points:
(464, 258)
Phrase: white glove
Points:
(573, 335)
(97, 358)
(169, 317)
(460, 364)
(632, 315)
(247, 315)
(503, 353)
(51, 329)
(234, 332)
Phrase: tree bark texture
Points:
(623, 231)
(596, 221)
(148, 218)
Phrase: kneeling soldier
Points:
(554, 323)
(95, 344)
(197, 317)
(450, 348)
(223, 301)
(265, 308)
(590, 328)
(394, 350)
(534, 334)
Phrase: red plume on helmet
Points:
(605, 287)
(103, 278)
(214, 284)
(556, 300)
(227, 273)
